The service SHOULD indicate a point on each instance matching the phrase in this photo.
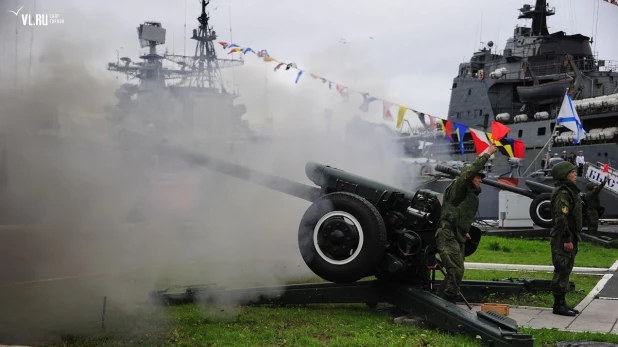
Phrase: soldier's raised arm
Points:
(561, 211)
(597, 191)
(468, 173)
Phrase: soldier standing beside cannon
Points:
(593, 205)
(565, 233)
(460, 205)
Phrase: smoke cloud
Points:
(90, 210)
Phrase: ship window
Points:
(486, 121)
(469, 91)
(454, 85)
(541, 131)
(520, 133)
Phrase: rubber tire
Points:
(541, 199)
(373, 230)
(425, 168)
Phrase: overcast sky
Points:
(411, 60)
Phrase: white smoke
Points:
(100, 220)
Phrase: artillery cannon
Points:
(360, 227)
(357, 227)
(540, 206)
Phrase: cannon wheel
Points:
(540, 210)
(342, 237)
(425, 170)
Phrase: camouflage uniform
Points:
(460, 205)
(593, 203)
(567, 216)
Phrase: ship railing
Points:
(582, 111)
(610, 165)
(583, 64)
(608, 65)
(452, 148)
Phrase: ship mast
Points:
(208, 67)
(205, 66)
(538, 14)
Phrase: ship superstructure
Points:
(190, 96)
(523, 87)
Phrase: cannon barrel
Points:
(540, 187)
(454, 172)
(277, 183)
(330, 179)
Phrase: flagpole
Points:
(537, 156)
(551, 136)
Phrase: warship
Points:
(190, 98)
(523, 87)
(181, 99)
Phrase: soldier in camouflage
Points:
(460, 204)
(593, 204)
(565, 233)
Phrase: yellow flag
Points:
(269, 59)
(402, 112)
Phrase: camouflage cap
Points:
(561, 170)
(591, 185)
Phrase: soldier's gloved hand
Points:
(468, 236)
(568, 246)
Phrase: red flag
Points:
(432, 122)
(448, 130)
(518, 149)
(386, 112)
(605, 168)
(481, 143)
(498, 130)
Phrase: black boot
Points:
(560, 307)
(569, 307)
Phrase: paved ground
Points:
(598, 311)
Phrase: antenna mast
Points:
(31, 41)
(16, 67)
(232, 41)
(184, 37)
(204, 64)
(208, 66)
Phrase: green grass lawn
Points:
(306, 325)
(583, 286)
(310, 325)
(502, 250)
